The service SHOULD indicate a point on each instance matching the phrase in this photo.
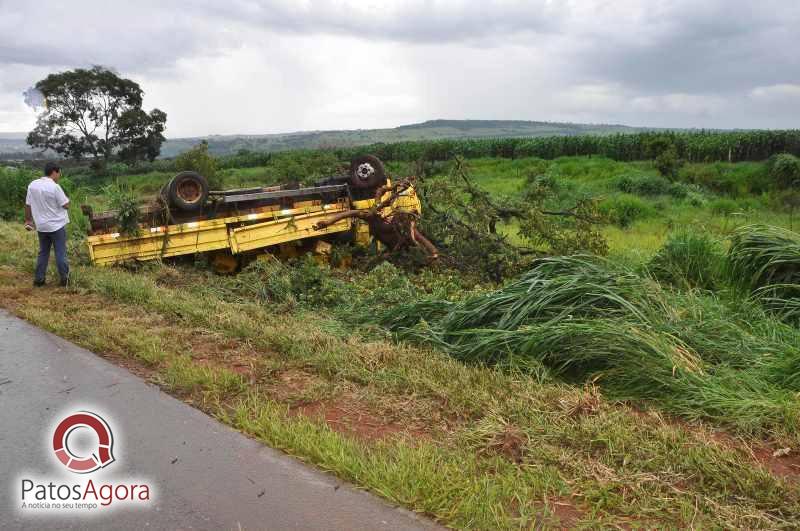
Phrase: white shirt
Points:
(47, 200)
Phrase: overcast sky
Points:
(261, 66)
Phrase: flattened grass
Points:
(586, 319)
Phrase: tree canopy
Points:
(94, 112)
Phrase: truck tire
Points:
(188, 191)
(367, 172)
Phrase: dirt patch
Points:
(509, 443)
(348, 415)
(566, 512)
(785, 466)
(210, 349)
(294, 385)
(780, 462)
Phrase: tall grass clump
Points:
(688, 260)
(588, 320)
(625, 209)
(762, 255)
(764, 262)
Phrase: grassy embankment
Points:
(286, 354)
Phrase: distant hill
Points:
(430, 130)
(12, 145)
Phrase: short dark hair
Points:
(50, 168)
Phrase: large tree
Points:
(96, 113)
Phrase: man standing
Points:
(46, 210)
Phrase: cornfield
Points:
(692, 146)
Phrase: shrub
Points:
(784, 170)
(724, 206)
(678, 190)
(124, 201)
(650, 185)
(647, 185)
(198, 159)
(623, 210)
(546, 181)
(303, 166)
(667, 163)
(13, 189)
(688, 260)
(735, 180)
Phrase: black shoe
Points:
(38, 283)
(64, 282)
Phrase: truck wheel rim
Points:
(364, 171)
(189, 191)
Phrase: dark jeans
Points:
(58, 240)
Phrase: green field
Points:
(655, 386)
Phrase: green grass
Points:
(588, 320)
(647, 219)
(602, 384)
(764, 262)
(689, 260)
(569, 445)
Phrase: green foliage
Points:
(624, 209)
(95, 112)
(304, 166)
(300, 281)
(650, 185)
(788, 200)
(765, 261)
(692, 146)
(735, 180)
(784, 170)
(124, 201)
(312, 284)
(724, 206)
(667, 163)
(689, 259)
(466, 231)
(199, 160)
(465, 222)
(588, 320)
(13, 189)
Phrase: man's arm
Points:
(62, 198)
(29, 217)
(29, 224)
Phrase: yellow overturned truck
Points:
(231, 225)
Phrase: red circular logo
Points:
(83, 464)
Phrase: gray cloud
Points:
(712, 46)
(283, 65)
(411, 21)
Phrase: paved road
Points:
(206, 475)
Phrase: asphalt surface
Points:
(204, 474)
